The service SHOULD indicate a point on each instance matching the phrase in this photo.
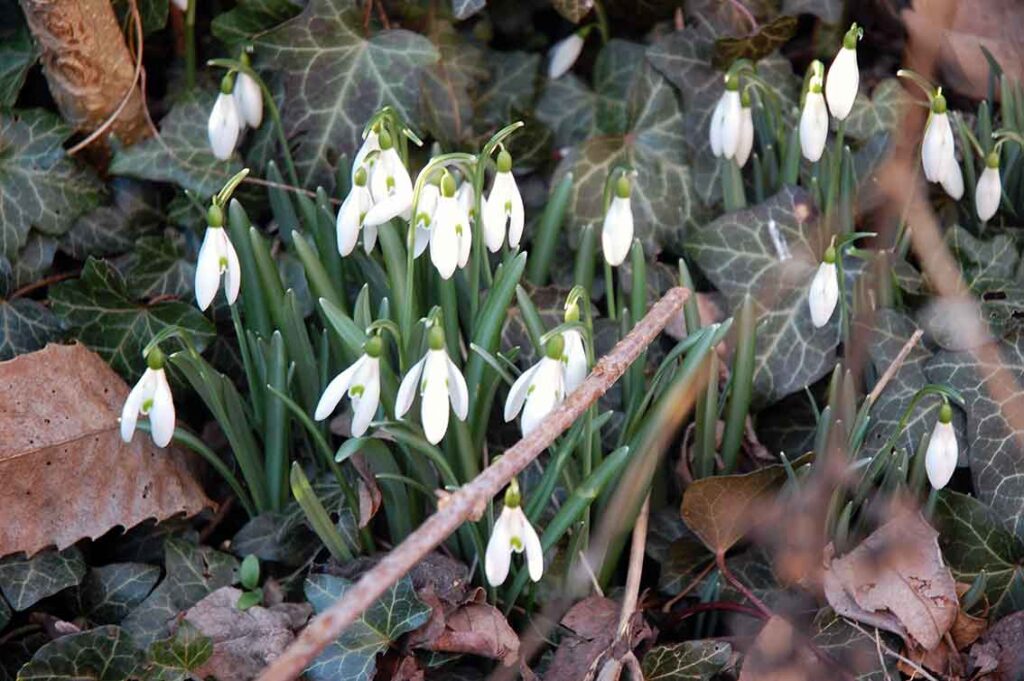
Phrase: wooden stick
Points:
(471, 499)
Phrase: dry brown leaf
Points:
(778, 654)
(593, 637)
(67, 474)
(897, 574)
(999, 654)
(370, 496)
(478, 629)
(244, 641)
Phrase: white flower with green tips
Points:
(425, 210)
(539, 389)
(726, 120)
(564, 54)
(361, 382)
(390, 185)
(575, 355)
(217, 257)
(814, 117)
(438, 382)
(824, 292)
(248, 97)
(503, 210)
(940, 458)
(745, 145)
(225, 123)
(843, 78)
(989, 189)
(450, 236)
(617, 229)
(512, 533)
(353, 214)
(150, 397)
(938, 150)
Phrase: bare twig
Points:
(903, 658)
(472, 497)
(46, 281)
(894, 366)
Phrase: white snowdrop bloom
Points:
(512, 533)
(941, 456)
(726, 120)
(564, 54)
(248, 100)
(504, 207)
(370, 144)
(539, 389)
(224, 126)
(953, 181)
(151, 397)
(439, 382)
(450, 235)
(989, 190)
(425, 210)
(938, 150)
(843, 78)
(824, 293)
(181, 4)
(361, 382)
(814, 119)
(746, 141)
(617, 230)
(467, 199)
(351, 215)
(575, 360)
(390, 185)
(216, 257)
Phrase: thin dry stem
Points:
(894, 366)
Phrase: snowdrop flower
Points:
(151, 397)
(504, 206)
(989, 190)
(726, 120)
(361, 382)
(824, 293)
(814, 117)
(248, 98)
(746, 141)
(512, 533)
(353, 212)
(617, 230)
(390, 185)
(441, 383)
(941, 456)
(575, 356)
(225, 123)
(450, 236)
(938, 151)
(425, 210)
(371, 143)
(564, 54)
(216, 257)
(540, 388)
(843, 79)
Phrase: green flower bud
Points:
(852, 36)
(512, 496)
(227, 84)
(732, 82)
(215, 216)
(373, 346)
(435, 337)
(830, 255)
(385, 141)
(623, 187)
(155, 358)
(939, 104)
(504, 162)
(945, 413)
(555, 347)
(447, 186)
(992, 160)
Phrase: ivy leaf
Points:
(25, 326)
(26, 581)
(567, 106)
(34, 259)
(464, 9)
(686, 661)
(238, 25)
(5, 614)
(158, 267)
(767, 39)
(17, 55)
(103, 315)
(176, 658)
(353, 655)
(683, 558)
(510, 86)
(180, 154)
(974, 540)
(881, 113)
(279, 537)
(771, 252)
(112, 229)
(852, 649)
(446, 85)
(40, 187)
(108, 593)
(997, 457)
(789, 425)
(335, 79)
(193, 572)
(153, 13)
(648, 136)
(101, 654)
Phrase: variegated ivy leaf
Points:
(768, 38)
(464, 9)
(100, 654)
(771, 252)
(109, 592)
(854, 650)
(176, 658)
(974, 541)
(567, 105)
(353, 655)
(181, 153)
(25, 326)
(26, 581)
(686, 661)
(644, 132)
(40, 187)
(447, 86)
(879, 113)
(509, 87)
(994, 429)
(239, 24)
(17, 53)
(158, 267)
(336, 79)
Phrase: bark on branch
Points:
(470, 500)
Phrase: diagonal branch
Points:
(470, 500)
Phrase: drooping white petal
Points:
(517, 393)
(444, 239)
(941, 456)
(824, 294)
(617, 231)
(133, 405)
(937, 148)
(248, 100)
(181, 4)
(532, 548)
(369, 237)
(503, 208)
(715, 132)
(457, 391)
(222, 128)
(365, 406)
(499, 551)
(988, 193)
(337, 388)
(746, 142)
(953, 180)
(434, 396)
(575, 360)
(547, 391)
(208, 267)
(408, 388)
(350, 218)
(161, 416)
(391, 188)
(370, 143)
(563, 55)
(731, 123)
(842, 82)
(465, 234)
(813, 126)
(232, 270)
